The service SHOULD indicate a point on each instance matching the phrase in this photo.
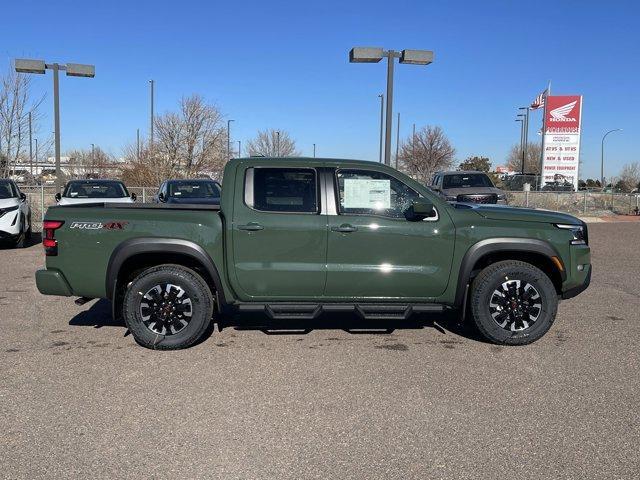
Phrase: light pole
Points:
(151, 118)
(525, 140)
(381, 96)
(239, 149)
(73, 70)
(521, 135)
(229, 139)
(278, 143)
(138, 144)
(30, 147)
(314, 150)
(374, 55)
(397, 140)
(602, 156)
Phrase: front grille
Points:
(478, 198)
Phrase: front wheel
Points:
(168, 307)
(513, 303)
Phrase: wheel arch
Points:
(139, 253)
(485, 252)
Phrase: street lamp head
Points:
(29, 66)
(524, 108)
(416, 57)
(80, 70)
(365, 55)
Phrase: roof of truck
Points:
(311, 160)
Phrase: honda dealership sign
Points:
(561, 154)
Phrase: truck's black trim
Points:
(495, 245)
(140, 245)
(311, 311)
(572, 292)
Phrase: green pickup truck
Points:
(298, 237)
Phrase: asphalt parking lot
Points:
(78, 398)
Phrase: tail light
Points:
(49, 241)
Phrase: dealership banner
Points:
(561, 142)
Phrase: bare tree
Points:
(16, 101)
(630, 177)
(190, 142)
(426, 152)
(90, 163)
(273, 143)
(532, 160)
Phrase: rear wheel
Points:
(168, 307)
(513, 303)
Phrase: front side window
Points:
(282, 190)
(89, 189)
(364, 192)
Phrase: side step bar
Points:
(311, 311)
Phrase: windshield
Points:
(89, 189)
(7, 190)
(464, 180)
(194, 189)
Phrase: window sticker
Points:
(367, 193)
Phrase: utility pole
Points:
(239, 149)
(30, 147)
(36, 153)
(229, 139)
(56, 128)
(413, 142)
(138, 144)
(314, 150)
(381, 96)
(278, 143)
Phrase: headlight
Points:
(8, 209)
(451, 199)
(578, 232)
(502, 196)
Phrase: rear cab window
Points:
(282, 189)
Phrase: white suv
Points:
(15, 214)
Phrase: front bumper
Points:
(572, 292)
(9, 224)
(52, 282)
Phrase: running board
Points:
(311, 311)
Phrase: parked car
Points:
(94, 191)
(474, 187)
(15, 214)
(297, 237)
(199, 191)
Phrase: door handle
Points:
(344, 228)
(251, 227)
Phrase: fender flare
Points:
(140, 245)
(494, 245)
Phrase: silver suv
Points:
(468, 187)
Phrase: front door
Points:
(374, 252)
(279, 235)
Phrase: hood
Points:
(9, 202)
(78, 201)
(504, 212)
(454, 192)
(195, 201)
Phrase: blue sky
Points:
(284, 65)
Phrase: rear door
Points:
(374, 252)
(279, 234)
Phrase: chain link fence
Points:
(577, 203)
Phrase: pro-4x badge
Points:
(114, 225)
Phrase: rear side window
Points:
(282, 190)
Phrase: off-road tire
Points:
(193, 285)
(492, 278)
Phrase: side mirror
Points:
(58, 197)
(161, 197)
(133, 197)
(23, 196)
(419, 209)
